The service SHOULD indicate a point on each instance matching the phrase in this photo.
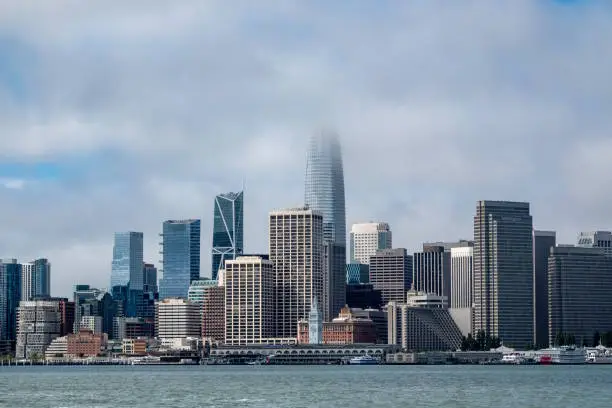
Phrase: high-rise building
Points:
(181, 257)
(40, 322)
(127, 260)
(228, 224)
(596, 239)
(431, 271)
(10, 296)
(324, 192)
(198, 288)
(36, 279)
(177, 319)
(543, 241)
(391, 273)
(91, 323)
(296, 251)
(357, 273)
(462, 261)
(213, 314)
(503, 272)
(149, 281)
(367, 238)
(579, 287)
(249, 301)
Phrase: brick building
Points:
(85, 344)
(345, 329)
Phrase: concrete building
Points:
(423, 323)
(296, 251)
(198, 288)
(543, 241)
(431, 270)
(367, 238)
(324, 193)
(92, 324)
(58, 349)
(213, 313)
(35, 279)
(503, 272)
(133, 328)
(177, 318)
(579, 287)
(462, 259)
(39, 323)
(391, 273)
(378, 318)
(596, 239)
(344, 329)
(249, 300)
(134, 347)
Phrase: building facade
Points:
(249, 301)
(503, 272)
(213, 314)
(149, 278)
(357, 273)
(36, 279)
(92, 324)
(462, 263)
(181, 257)
(315, 324)
(543, 241)
(391, 273)
(596, 239)
(198, 289)
(367, 238)
(228, 225)
(431, 270)
(127, 260)
(296, 251)
(177, 318)
(324, 193)
(344, 329)
(363, 296)
(579, 287)
(39, 323)
(85, 343)
(10, 296)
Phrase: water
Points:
(306, 386)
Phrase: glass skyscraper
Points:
(10, 295)
(324, 192)
(181, 262)
(227, 229)
(127, 260)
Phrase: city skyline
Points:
(90, 138)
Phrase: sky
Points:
(116, 116)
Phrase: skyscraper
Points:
(596, 239)
(181, 257)
(35, 279)
(391, 273)
(543, 241)
(431, 271)
(324, 192)
(296, 251)
(127, 260)
(367, 238)
(462, 261)
(503, 272)
(228, 224)
(10, 296)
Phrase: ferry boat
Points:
(513, 358)
(598, 358)
(562, 355)
(364, 360)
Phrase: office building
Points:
(391, 273)
(177, 319)
(133, 328)
(10, 296)
(228, 225)
(503, 272)
(596, 239)
(296, 251)
(357, 273)
(85, 343)
(431, 270)
(543, 241)
(344, 329)
(149, 278)
(378, 318)
(423, 323)
(127, 260)
(363, 296)
(36, 279)
(181, 257)
(92, 324)
(579, 287)
(366, 239)
(462, 261)
(324, 193)
(39, 323)
(213, 313)
(90, 301)
(198, 288)
(249, 301)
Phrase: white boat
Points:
(364, 360)
(598, 358)
(562, 355)
(513, 358)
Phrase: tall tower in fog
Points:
(324, 192)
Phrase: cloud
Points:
(151, 108)
(13, 184)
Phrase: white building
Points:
(38, 324)
(315, 324)
(296, 251)
(91, 323)
(367, 238)
(35, 279)
(177, 318)
(249, 300)
(596, 239)
(462, 261)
